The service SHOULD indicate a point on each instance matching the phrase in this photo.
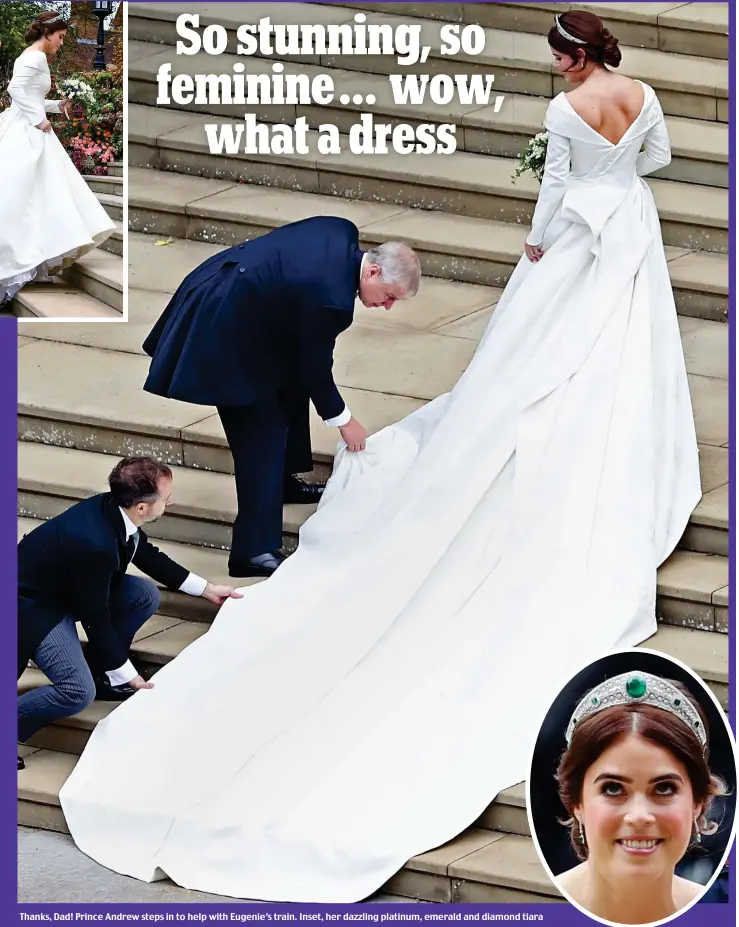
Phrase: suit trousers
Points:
(269, 440)
(60, 657)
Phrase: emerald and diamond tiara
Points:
(638, 689)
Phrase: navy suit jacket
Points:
(259, 318)
(70, 564)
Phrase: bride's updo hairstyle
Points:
(39, 28)
(593, 38)
(595, 734)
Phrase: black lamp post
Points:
(102, 9)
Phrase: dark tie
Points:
(131, 545)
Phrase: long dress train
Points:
(49, 217)
(367, 702)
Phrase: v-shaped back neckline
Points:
(630, 127)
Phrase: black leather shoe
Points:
(243, 570)
(301, 492)
(21, 763)
(104, 692)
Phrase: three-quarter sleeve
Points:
(52, 106)
(553, 185)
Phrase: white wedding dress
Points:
(368, 702)
(49, 217)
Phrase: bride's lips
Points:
(639, 846)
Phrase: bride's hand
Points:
(45, 126)
(66, 107)
(533, 253)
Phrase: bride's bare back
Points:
(609, 104)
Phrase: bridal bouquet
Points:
(74, 88)
(533, 157)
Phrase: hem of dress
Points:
(51, 267)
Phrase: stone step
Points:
(99, 274)
(466, 184)
(115, 169)
(160, 640)
(692, 588)
(687, 85)
(447, 323)
(382, 366)
(65, 467)
(493, 860)
(451, 246)
(480, 864)
(91, 291)
(393, 378)
(683, 28)
(59, 300)
(163, 638)
(114, 244)
(111, 184)
(51, 478)
(700, 149)
(112, 204)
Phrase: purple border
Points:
(553, 914)
(8, 582)
(732, 407)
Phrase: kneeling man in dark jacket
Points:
(73, 568)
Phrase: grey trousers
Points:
(60, 657)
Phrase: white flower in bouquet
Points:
(533, 157)
(74, 88)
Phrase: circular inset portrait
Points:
(632, 790)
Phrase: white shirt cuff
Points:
(122, 675)
(339, 420)
(194, 584)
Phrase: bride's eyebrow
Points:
(676, 777)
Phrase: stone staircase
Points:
(468, 223)
(92, 288)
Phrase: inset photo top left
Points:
(61, 161)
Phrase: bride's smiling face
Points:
(637, 810)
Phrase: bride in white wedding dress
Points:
(368, 701)
(49, 217)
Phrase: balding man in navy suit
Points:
(252, 331)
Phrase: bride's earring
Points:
(581, 833)
(697, 831)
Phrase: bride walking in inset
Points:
(49, 217)
(368, 701)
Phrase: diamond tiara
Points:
(566, 34)
(638, 689)
(56, 19)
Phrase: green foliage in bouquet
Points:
(533, 158)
